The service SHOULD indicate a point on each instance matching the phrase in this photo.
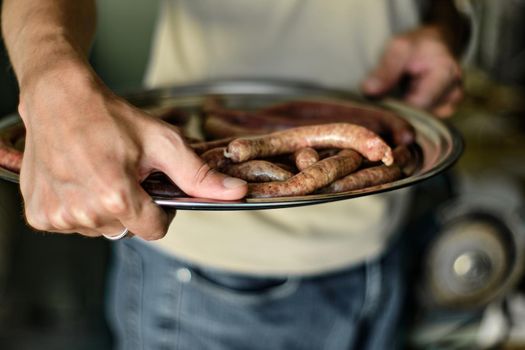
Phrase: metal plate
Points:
(440, 144)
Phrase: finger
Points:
(100, 232)
(48, 219)
(125, 233)
(110, 229)
(196, 178)
(135, 209)
(85, 216)
(429, 86)
(65, 222)
(444, 111)
(88, 233)
(171, 213)
(96, 234)
(84, 232)
(449, 104)
(390, 69)
(455, 96)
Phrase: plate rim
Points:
(272, 87)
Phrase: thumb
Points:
(196, 178)
(390, 69)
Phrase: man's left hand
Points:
(434, 74)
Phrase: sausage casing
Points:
(203, 146)
(380, 121)
(307, 181)
(215, 158)
(377, 175)
(257, 171)
(305, 157)
(337, 135)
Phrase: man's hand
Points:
(87, 152)
(423, 57)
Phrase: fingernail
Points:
(232, 182)
(373, 84)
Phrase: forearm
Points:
(42, 36)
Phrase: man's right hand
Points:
(87, 152)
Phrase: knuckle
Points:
(167, 132)
(173, 138)
(60, 220)
(202, 174)
(38, 221)
(85, 217)
(115, 201)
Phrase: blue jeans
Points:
(158, 302)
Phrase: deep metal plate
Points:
(440, 144)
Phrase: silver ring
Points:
(117, 237)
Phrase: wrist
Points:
(452, 24)
(56, 81)
(54, 62)
(445, 35)
(436, 33)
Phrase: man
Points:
(323, 282)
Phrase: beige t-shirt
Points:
(333, 42)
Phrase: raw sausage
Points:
(257, 171)
(219, 128)
(289, 115)
(307, 181)
(337, 135)
(159, 185)
(10, 157)
(305, 157)
(269, 122)
(215, 158)
(203, 146)
(377, 175)
(372, 176)
(401, 131)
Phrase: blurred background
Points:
(468, 290)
